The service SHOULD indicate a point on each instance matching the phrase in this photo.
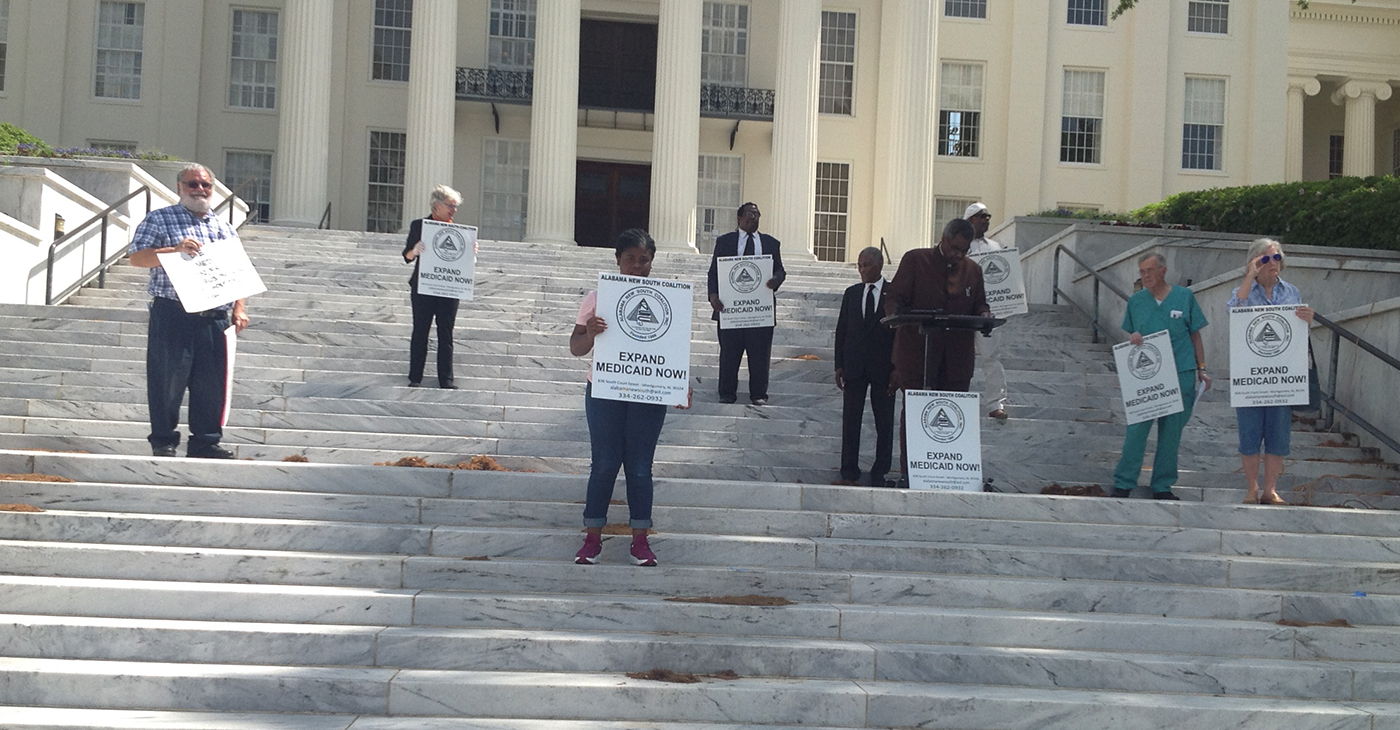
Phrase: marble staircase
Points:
(176, 593)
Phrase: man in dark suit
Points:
(863, 361)
(756, 341)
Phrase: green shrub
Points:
(11, 137)
(1349, 211)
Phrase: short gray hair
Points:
(1156, 256)
(1258, 246)
(879, 257)
(191, 167)
(444, 194)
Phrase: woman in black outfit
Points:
(427, 307)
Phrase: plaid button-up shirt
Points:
(165, 228)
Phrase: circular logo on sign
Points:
(942, 420)
(1268, 334)
(1144, 361)
(995, 269)
(745, 277)
(644, 314)
(449, 244)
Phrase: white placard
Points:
(230, 350)
(1002, 281)
(219, 274)
(743, 289)
(644, 354)
(945, 440)
(447, 265)
(1147, 377)
(1268, 356)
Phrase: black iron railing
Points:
(736, 102)
(104, 262)
(495, 85)
(1056, 293)
(1334, 407)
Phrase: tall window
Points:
(724, 44)
(505, 182)
(1208, 16)
(959, 109)
(4, 38)
(1336, 144)
(833, 211)
(512, 42)
(248, 174)
(721, 179)
(1203, 125)
(384, 209)
(836, 88)
(965, 8)
(252, 69)
(1395, 152)
(1088, 12)
(120, 28)
(946, 209)
(393, 29)
(1081, 117)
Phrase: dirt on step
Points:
(749, 600)
(19, 508)
(659, 674)
(34, 478)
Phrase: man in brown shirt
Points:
(943, 278)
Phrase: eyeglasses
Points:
(982, 215)
(1265, 259)
(199, 185)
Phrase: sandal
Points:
(1272, 498)
(1251, 497)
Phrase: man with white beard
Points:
(185, 350)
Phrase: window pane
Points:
(120, 40)
(1081, 117)
(1208, 16)
(505, 184)
(393, 24)
(1336, 144)
(946, 209)
(512, 35)
(836, 87)
(4, 38)
(386, 162)
(965, 8)
(1088, 12)
(832, 211)
(249, 175)
(718, 197)
(253, 60)
(959, 109)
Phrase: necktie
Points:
(748, 250)
(869, 301)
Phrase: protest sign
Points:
(945, 445)
(1002, 281)
(1268, 356)
(447, 265)
(743, 289)
(218, 274)
(1147, 378)
(644, 354)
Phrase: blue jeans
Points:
(1269, 424)
(623, 435)
(185, 352)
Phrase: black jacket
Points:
(728, 245)
(863, 345)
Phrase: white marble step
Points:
(475, 649)
(596, 697)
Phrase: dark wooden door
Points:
(617, 65)
(611, 197)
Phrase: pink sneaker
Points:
(641, 551)
(592, 547)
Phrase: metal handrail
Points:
(233, 196)
(325, 221)
(1334, 407)
(1056, 292)
(104, 262)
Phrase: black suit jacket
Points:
(728, 245)
(863, 345)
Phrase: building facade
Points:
(849, 121)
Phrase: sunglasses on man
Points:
(1266, 257)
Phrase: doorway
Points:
(610, 198)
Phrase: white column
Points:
(432, 69)
(675, 144)
(790, 215)
(1359, 149)
(909, 202)
(1298, 87)
(302, 169)
(554, 124)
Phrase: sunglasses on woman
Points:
(1265, 259)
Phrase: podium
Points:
(930, 321)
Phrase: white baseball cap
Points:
(974, 209)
